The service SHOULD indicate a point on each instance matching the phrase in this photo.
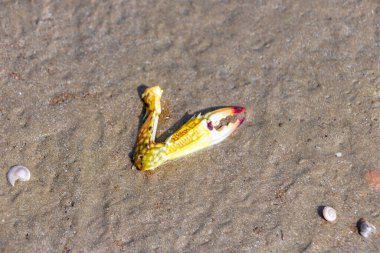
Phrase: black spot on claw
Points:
(210, 126)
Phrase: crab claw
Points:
(203, 131)
(218, 131)
(199, 132)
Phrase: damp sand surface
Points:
(71, 76)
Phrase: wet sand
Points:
(308, 73)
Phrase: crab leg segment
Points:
(147, 135)
(152, 98)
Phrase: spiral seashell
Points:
(365, 228)
(329, 213)
(18, 172)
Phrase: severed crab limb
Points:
(198, 133)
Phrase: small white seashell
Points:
(329, 214)
(365, 228)
(18, 172)
(338, 154)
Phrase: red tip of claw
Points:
(241, 120)
(238, 110)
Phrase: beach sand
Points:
(71, 76)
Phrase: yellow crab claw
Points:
(203, 131)
(198, 133)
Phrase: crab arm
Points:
(200, 132)
(147, 133)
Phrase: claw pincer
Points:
(199, 132)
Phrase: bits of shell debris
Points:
(365, 228)
(329, 214)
